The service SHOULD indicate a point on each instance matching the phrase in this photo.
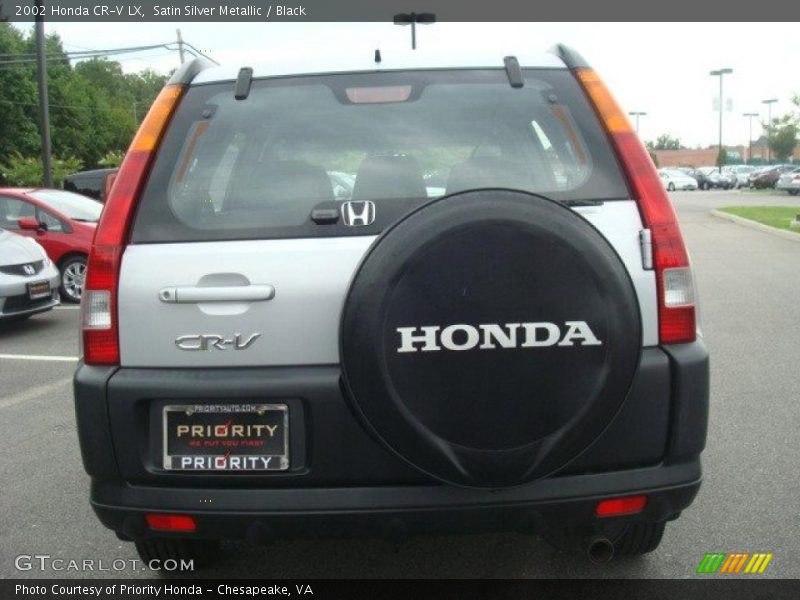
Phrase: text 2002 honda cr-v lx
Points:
(379, 298)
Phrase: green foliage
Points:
(95, 108)
(111, 159)
(665, 142)
(782, 136)
(25, 171)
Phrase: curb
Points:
(795, 237)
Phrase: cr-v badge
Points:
(207, 342)
(358, 214)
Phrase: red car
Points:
(62, 222)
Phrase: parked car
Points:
(28, 278)
(742, 174)
(95, 184)
(675, 179)
(790, 181)
(724, 181)
(757, 172)
(768, 178)
(703, 182)
(62, 222)
(520, 353)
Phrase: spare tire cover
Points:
(489, 337)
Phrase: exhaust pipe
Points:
(600, 550)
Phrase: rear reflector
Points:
(676, 310)
(170, 522)
(100, 323)
(620, 506)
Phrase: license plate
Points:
(39, 289)
(226, 437)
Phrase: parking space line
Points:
(38, 357)
(63, 307)
(33, 393)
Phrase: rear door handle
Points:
(234, 293)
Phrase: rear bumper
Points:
(265, 514)
(344, 482)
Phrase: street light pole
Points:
(769, 104)
(637, 114)
(750, 135)
(180, 46)
(44, 105)
(412, 19)
(719, 73)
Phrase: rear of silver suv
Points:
(390, 299)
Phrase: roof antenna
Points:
(377, 55)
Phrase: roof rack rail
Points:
(243, 81)
(572, 59)
(513, 71)
(184, 74)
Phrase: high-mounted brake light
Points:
(378, 94)
(99, 306)
(676, 308)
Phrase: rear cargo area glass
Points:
(260, 167)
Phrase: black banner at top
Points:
(384, 10)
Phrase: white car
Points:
(28, 279)
(790, 182)
(674, 179)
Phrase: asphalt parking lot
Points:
(750, 500)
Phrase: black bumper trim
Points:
(690, 400)
(299, 500)
(261, 514)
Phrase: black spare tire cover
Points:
(489, 337)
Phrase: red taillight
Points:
(170, 522)
(614, 507)
(99, 302)
(676, 308)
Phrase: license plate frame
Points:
(44, 292)
(220, 457)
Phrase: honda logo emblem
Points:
(358, 214)
(29, 269)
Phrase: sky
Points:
(659, 68)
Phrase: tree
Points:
(665, 142)
(27, 172)
(95, 108)
(18, 129)
(782, 136)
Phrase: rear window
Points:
(259, 167)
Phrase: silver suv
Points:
(291, 327)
